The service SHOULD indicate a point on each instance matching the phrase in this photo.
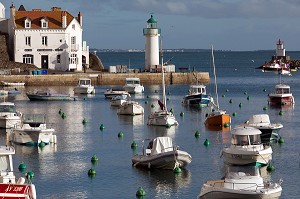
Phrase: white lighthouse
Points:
(152, 34)
(280, 50)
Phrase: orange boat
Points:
(217, 117)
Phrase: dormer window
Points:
(44, 22)
(27, 23)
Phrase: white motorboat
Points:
(281, 96)
(10, 187)
(162, 117)
(131, 108)
(269, 131)
(161, 154)
(110, 93)
(3, 83)
(133, 85)
(32, 131)
(241, 185)
(84, 86)
(197, 96)
(246, 148)
(118, 100)
(9, 117)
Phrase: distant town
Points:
(165, 50)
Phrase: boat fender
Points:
(21, 180)
(33, 191)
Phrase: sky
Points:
(238, 25)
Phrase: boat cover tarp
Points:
(161, 145)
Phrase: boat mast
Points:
(215, 76)
(163, 78)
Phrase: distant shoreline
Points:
(175, 50)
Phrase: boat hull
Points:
(134, 89)
(32, 136)
(34, 97)
(218, 120)
(84, 90)
(15, 190)
(130, 108)
(167, 160)
(196, 100)
(281, 100)
(162, 119)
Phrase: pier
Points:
(101, 78)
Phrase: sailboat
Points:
(163, 117)
(216, 117)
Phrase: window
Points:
(27, 23)
(73, 26)
(58, 59)
(28, 41)
(73, 40)
(44, 22)
(44, 40)
(28, 59)
(73, 59)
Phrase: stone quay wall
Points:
(101, 78)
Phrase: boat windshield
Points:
(84, 82)
(240, 140)
(255, 139)
(282, 90)
(8, 108)
(34, 119)
(4, 163)
(132, 82)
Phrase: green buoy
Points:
(206, 142)
(264, 108)
(84, 121)
(30, 175)
(152, 106)
(60, 111)
(92, 172)
(63, 115)
(171, 110)
(42, 144)
(134, 145)
(240, 105)
(197, 134)
(265, 90)
(168, 99)
(223, 95)
(227, 90)
(22, 166)
(281, 140)
(234, 114)
(181, 114)
(270, 167)
(94, 159)
(177, 170)
(140, 192)
(120, 134)
(226, 125)
(147, 96)
(280, 113)
(102, 127)
(245, 93)
(146, 102)
(248, 97)
(230, 101)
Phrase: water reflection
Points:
(165, 182)
(135, 121)
(159, 131)
(218, 128)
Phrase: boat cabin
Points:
(197, 89)
(34, 120)
(132, 80)
(243, 136)
(282, 89)
(7, 107)
(6, 164)
(159, 145)
(84, 81)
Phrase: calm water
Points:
(61, 169)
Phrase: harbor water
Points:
(61, 170)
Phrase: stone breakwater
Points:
(99, 79)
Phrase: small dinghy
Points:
(161, 154)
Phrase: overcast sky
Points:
(227, 24)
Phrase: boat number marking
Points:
(236, 156)
(13, 189)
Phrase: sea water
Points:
(61, 170)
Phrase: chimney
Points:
(13, 10)
(56, 9)
(64, 19)
(80, 18)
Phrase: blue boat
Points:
(197, 96)
(47, 96)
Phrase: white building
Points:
(48, 39)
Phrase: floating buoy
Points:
(226, 125)
(240, 105)
(181, 114)
(280, 113)
(206, 142)
(42, 144)
(63, 115)
(264, 108)
(155, 91)
(60, 111)
(147, 96)
(92, 172)
(177, 170)
(197, 134)
(140, 192)
(234, 114)
(227, 90)
(152, 106)
(168, 93)
(265, 90)
(84, 121)
(270, 167)
(134, 145)
(132, 114)
(171, 110)
(223, 95)
(168, 99)
(230, 101)
(22, 166)
(146, 102)
(30, 175)
(281, 140)
(248, 97)
(102, 127)
(120, 134)
(94, 159)
(245, 93)
(75, 99)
